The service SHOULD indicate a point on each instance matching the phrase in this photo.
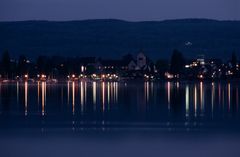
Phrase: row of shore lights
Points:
(38, 76)
(95, 76)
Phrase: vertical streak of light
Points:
(82, 95)
(103, 96)
(17, 92)
(73, 97)
(177, 85)
(195, 100)
(147, 90)
(94, 93)
(114, 92)
(108, 92)
(201, 96)
(187, 100)
(26, 97)
(43, 98)
(111, 94)
(45, 92)
(169, 94)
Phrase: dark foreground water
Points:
(120, 118)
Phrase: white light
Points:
(43, 76)
(82, 68)
(201, 76)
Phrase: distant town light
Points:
(43, 76)
(230, 73)
(26, 76)
(146, 76)
(169, 76)
(200, 76)
(82, 68)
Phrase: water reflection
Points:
(94, 93)
(202, 97)
(169, 94)
(195, 100)
(82, 95)
(140, 101)
(187, 100)
(17, 92)
(103, 96)
(26, 98)
(146, 91)
(73, 98)
(43, 97)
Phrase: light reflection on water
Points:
(145, 102)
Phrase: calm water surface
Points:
(165, 106)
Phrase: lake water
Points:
(119, 119)
(103, 106)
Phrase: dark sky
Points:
(133, 10)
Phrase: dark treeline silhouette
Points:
(127, 67)
(177, 62)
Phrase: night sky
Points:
(133, 10)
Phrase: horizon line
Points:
(123, 20)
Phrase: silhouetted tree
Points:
(162, 66)
(177, 62)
